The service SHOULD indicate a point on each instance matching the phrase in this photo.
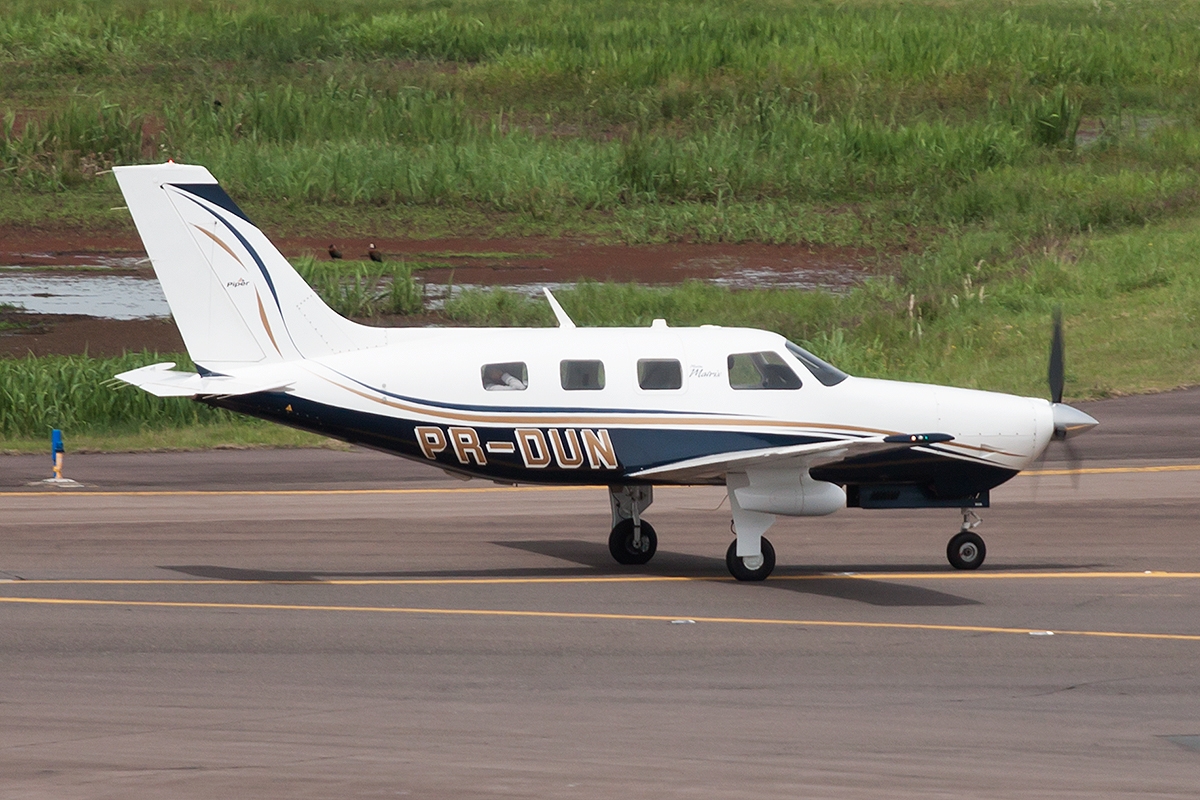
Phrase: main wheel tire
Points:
(620, 543)
(966, 550)
(737, 565)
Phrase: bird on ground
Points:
(374, 255)
(334, 252)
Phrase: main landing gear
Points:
(750, 556)
(966, 549)
(751, 568)
(632, 540)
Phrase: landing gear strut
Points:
(750, 557)
(966, 549)
(632, 541)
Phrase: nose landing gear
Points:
(966, 549)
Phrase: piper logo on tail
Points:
(565, 448)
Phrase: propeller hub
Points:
(1070, 421)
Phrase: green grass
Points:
(719, 121)
(1042, 152)
(78, 393)
(358, 289)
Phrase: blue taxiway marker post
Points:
(56, 452)
(57, 449)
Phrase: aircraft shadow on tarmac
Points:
(593, 558)
(876, 593)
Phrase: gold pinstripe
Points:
(262, 315)
(544, 419)
(220, 244)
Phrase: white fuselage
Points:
(434, 378)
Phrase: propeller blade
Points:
(1057, 371)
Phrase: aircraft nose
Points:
(1070, 422)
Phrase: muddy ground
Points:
(462, 261)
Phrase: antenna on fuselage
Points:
(563, 320)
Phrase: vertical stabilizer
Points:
(236, 299)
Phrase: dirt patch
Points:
(516, 262)
(63, 334)
(499, 262)
(462, 261)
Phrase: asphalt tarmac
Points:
(305, 624)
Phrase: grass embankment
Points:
(1132, 304)
(1004, 157)
(846, 123)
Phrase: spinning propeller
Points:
(1068, 421)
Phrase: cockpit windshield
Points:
(823, 371)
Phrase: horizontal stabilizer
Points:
(162, 381)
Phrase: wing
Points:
(706, 469)
(161, 380)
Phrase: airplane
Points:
(628, 408)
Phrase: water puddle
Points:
(834, 281)
(91, 294)
(102, 286)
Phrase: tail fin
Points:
(236, 299)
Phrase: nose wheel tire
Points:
(751, 568)
(966, 550)
(623, 547)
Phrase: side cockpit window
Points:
(765, 370)
(511, 376)
(659, 373)
(823, 371)
(581, 375)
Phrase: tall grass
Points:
(363, 290)
(287, 113)
(77, 393)
(947, 112)
(631, 43)
(85, 137)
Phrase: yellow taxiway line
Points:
(1033, 473)
(584, 615)
(823, 576)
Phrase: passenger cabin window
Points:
(508, 377)
(764, 370)
(823, 371)
(581, 375)
(659, 373)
